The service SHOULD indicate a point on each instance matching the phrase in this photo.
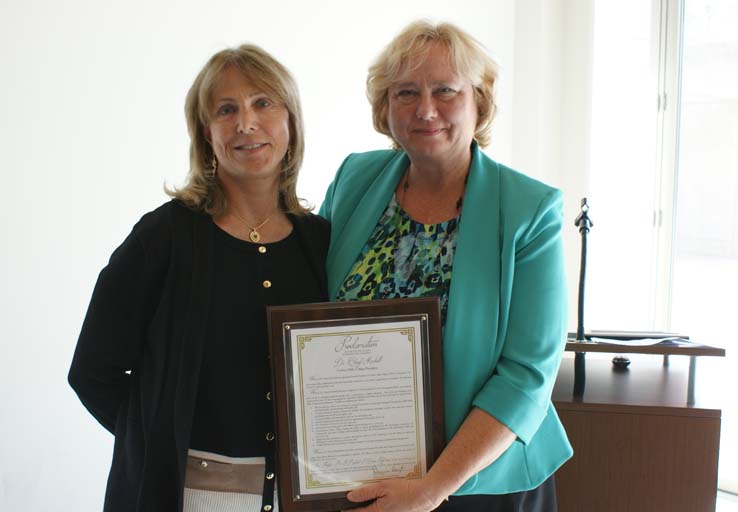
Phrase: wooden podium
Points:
(638, 444)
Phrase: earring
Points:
(213, 170)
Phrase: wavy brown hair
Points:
(202, 190)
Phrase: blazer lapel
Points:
(361, 223)
(473, 304)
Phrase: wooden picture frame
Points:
(358, 396)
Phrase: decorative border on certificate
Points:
(359, 403)
(359, 396)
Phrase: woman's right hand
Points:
(397, 495)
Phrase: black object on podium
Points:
(584, 223)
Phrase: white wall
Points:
(552, 105)
(92, 125)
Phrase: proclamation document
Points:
(359, 409)
(358, 396)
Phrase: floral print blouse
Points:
(404, 258)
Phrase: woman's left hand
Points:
(399, 494)
(480, 440)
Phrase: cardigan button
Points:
(269, 476)
(269, 395)
(270, 436)
(267, 284)
(262, 249)
(267, 508)
(203, 464)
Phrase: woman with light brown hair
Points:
(435, 216)
(172, 357)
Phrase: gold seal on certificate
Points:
(359, 396)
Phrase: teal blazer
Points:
(507, 313)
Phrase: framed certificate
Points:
(358, 396)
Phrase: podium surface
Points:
(638, 444)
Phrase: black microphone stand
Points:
(583, 222)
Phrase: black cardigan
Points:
(137, 360)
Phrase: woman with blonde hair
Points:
(436, 216)
(172, 357)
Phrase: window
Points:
(664, 180)
(705, 262)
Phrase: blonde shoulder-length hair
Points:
(202, 190)
(468, 58)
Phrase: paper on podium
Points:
(642, 342)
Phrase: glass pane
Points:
(705, 276)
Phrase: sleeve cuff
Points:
(511, 407)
